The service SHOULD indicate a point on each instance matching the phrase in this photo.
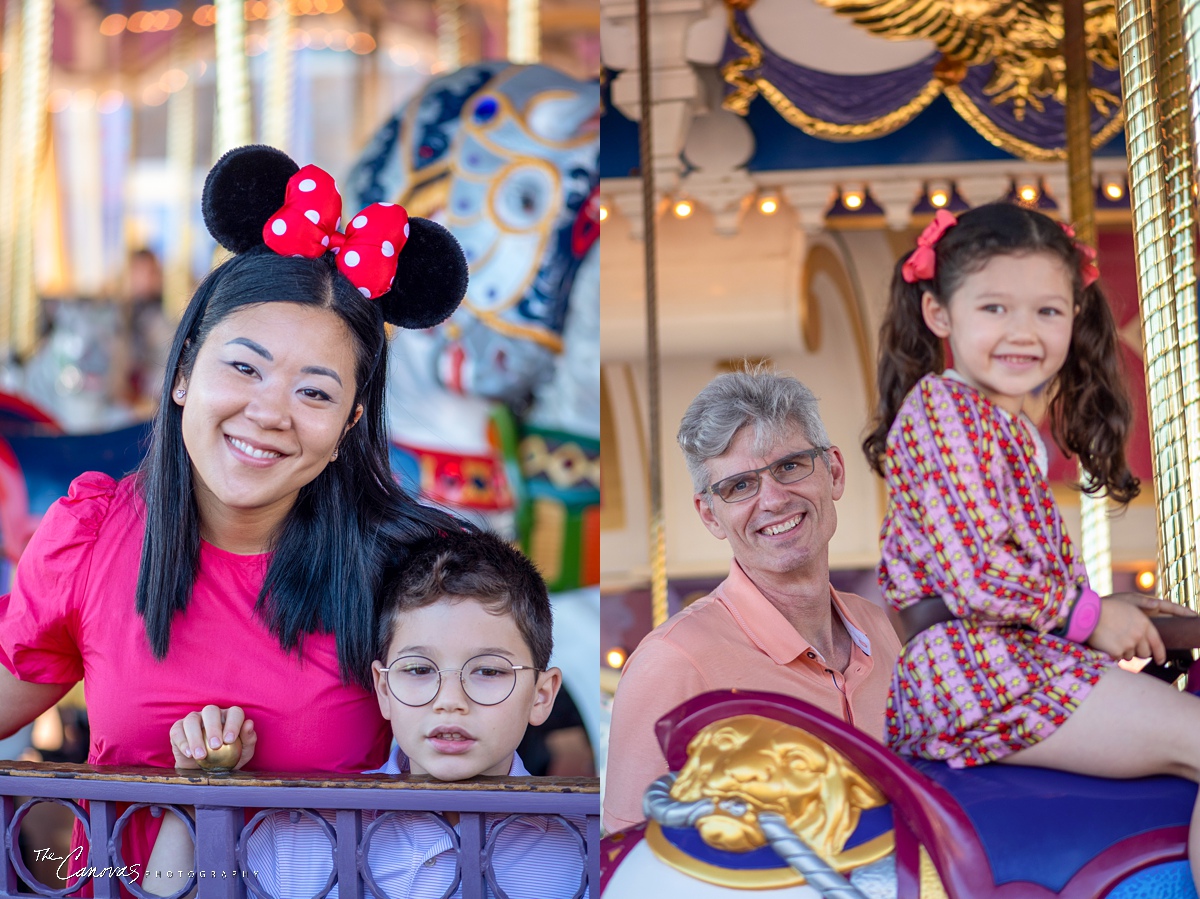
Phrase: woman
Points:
(250, 541)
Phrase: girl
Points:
(240, 562)
(1021, 667)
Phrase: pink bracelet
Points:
(1085, 615)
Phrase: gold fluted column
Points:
(36, 20)
(233, 79)
(1181, 199)
(1096, 542)
(181, 160)
(1148, 197)
(10, 116)
(277, 110)
(524, 32)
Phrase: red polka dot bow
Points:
(307, 225)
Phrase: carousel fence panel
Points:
(103, 800)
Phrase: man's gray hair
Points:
(771, 403)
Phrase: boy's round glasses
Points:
(788, 470)
(486, 680)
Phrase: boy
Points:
(462, 668)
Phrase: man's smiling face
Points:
(784, 528)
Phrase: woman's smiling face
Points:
(269, 398)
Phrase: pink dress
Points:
(71, 615)
(972, 520)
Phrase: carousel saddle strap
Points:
(1176, 633)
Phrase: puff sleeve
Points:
(971, 519)
(40, 617)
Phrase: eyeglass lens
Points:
(487, 680)
(745, 485)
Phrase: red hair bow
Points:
(307, 225)
(1089, 272)
(921, 264)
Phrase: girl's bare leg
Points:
(1130, 725)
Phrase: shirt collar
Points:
(765, 625)
(397, 763)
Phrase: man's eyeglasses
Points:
(788, 470)
(486, 680)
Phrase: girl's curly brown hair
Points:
(1090, 412)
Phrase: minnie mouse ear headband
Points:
(921, 263)
(413, 267)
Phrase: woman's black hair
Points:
(330, 550)
(1090, 413)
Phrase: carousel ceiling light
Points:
(113, 25)
(154, 95)
(768, 205)
(1146, 580)
(603, 212)
(1029, 193)
(363, 43)
(205, 15)
(939, 196)
(109, 102)
(682, 208)
(1114, 187)
(59, 100)
(615, 657)
(853, 199)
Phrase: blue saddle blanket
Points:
(1043, 826)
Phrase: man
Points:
(766, 478)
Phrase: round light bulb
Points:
(683, 209)
(1146, 580)
(768, 206)
(603, 213)
(852, 200)
(615, 657)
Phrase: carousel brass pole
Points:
(10, 113)
(35, 72)
(1181, 197)
(449, 34)
(1147, 190)
(277, 111)
(233, 79)
(1093, 508)
(181, 160)
(658, 533)
(523, 32)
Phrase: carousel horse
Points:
(495, 412)
(506, 157)
(771, 795)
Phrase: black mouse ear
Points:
(431, 278)
(244, 189)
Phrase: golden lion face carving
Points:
(771, 766)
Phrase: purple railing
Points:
(220, 826)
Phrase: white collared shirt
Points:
(412, 856)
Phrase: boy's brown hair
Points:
(479, 565)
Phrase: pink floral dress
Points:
(972, 520)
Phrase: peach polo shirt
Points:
(735, 637)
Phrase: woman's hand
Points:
(194, 735)
(1125, 631)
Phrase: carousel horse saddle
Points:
(1043, 826)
